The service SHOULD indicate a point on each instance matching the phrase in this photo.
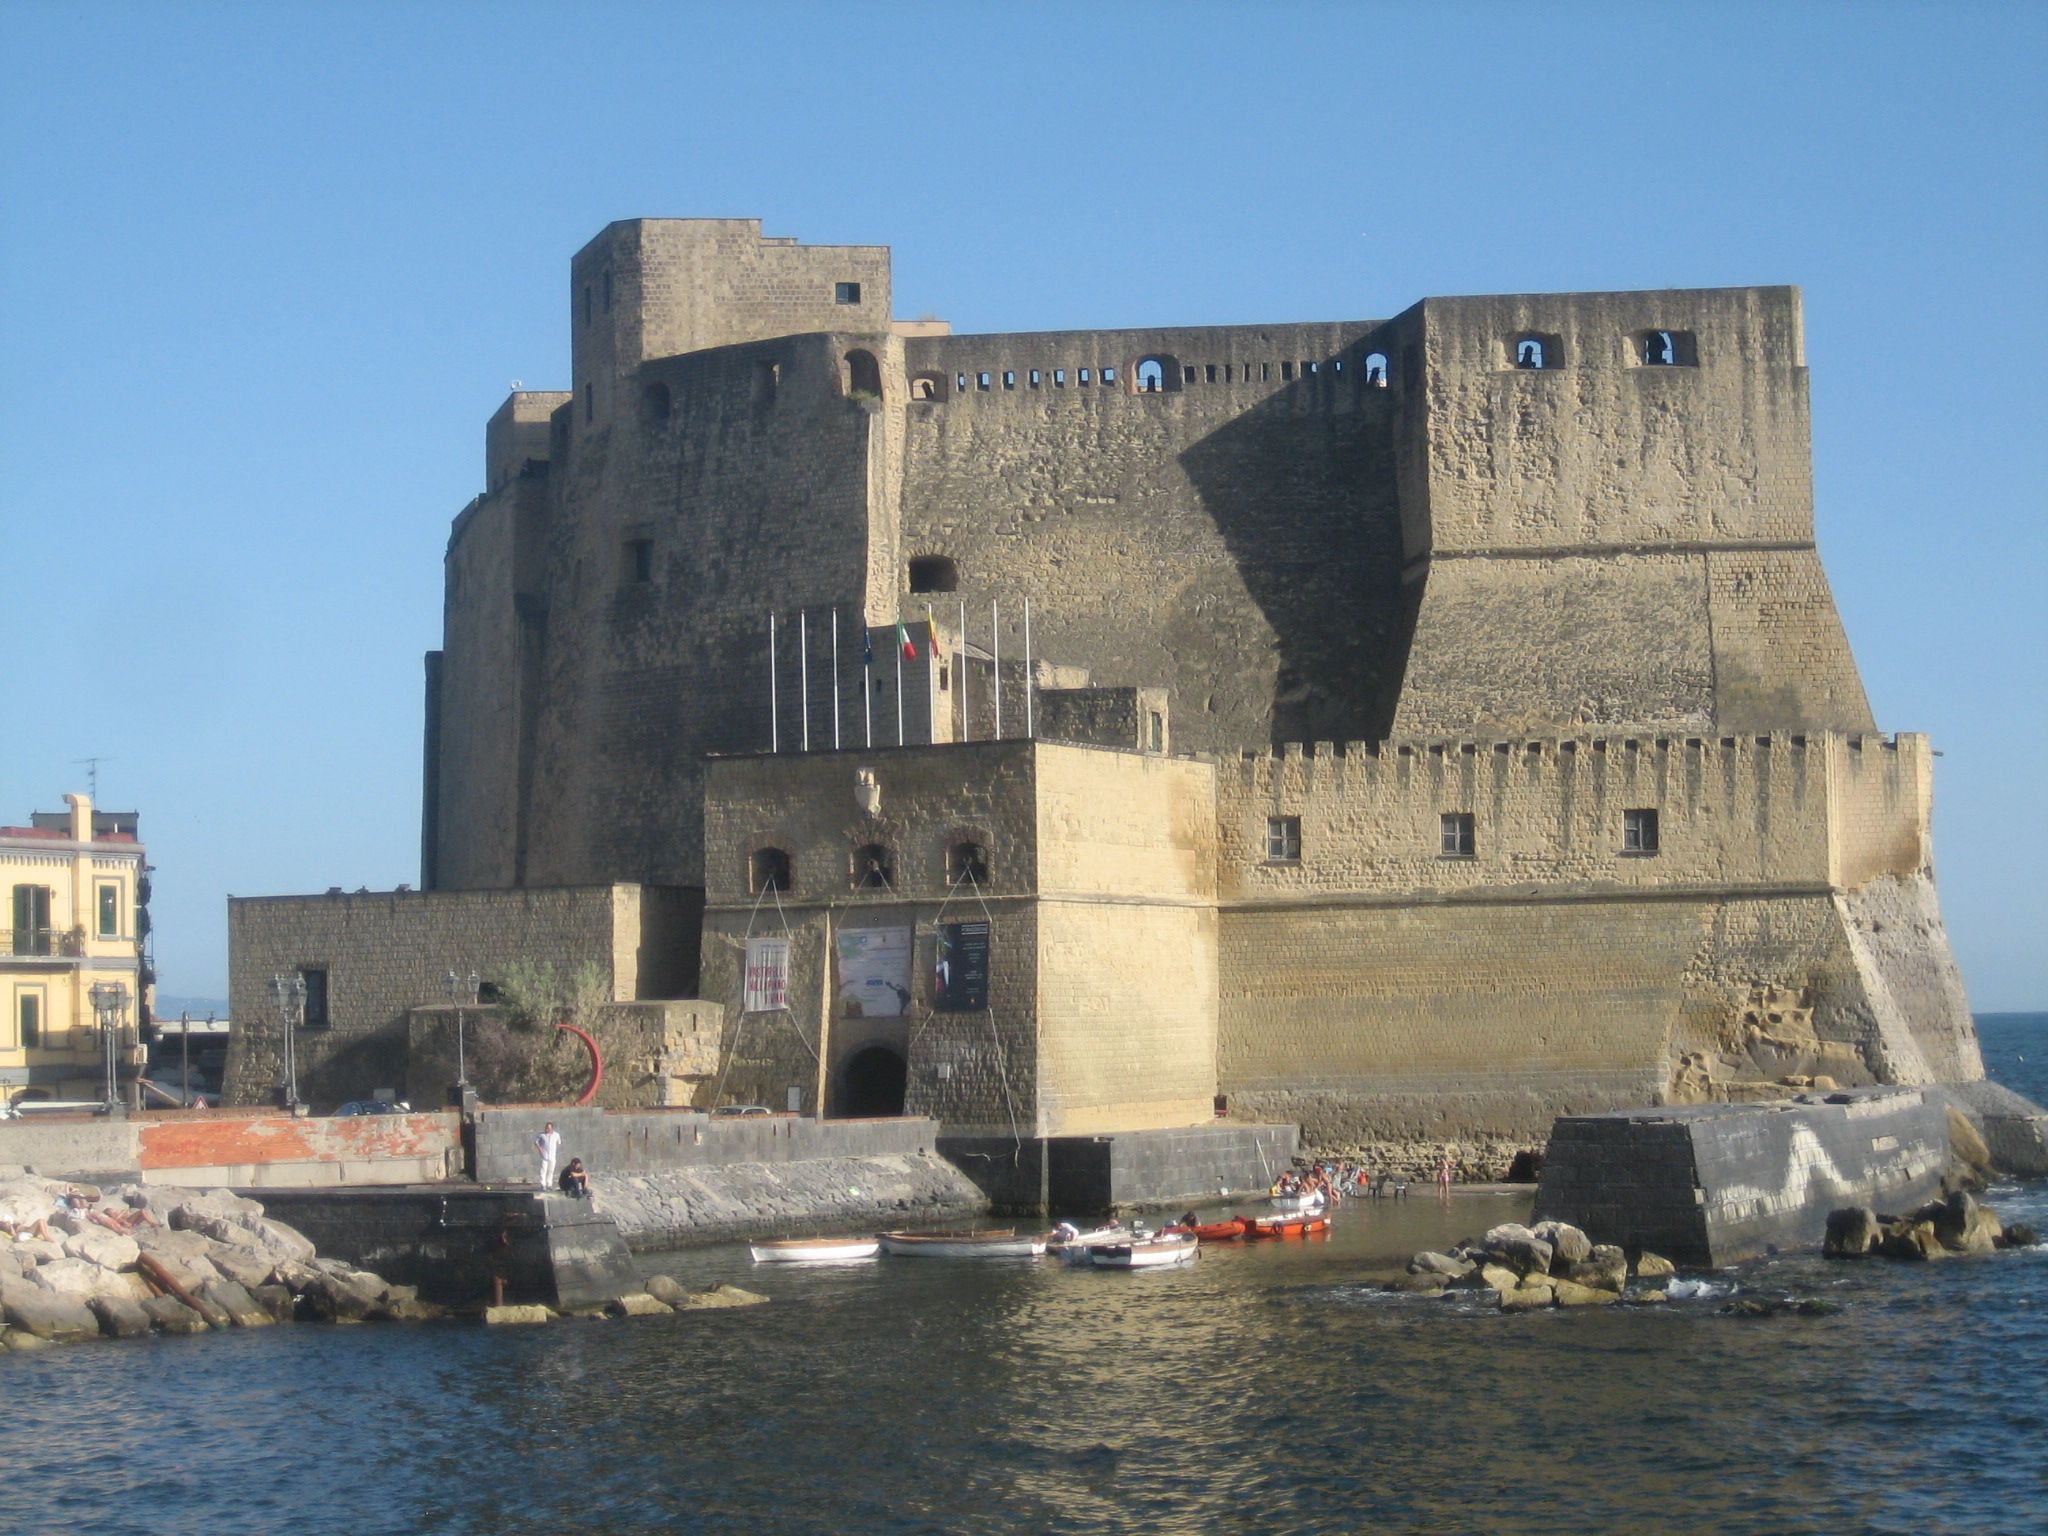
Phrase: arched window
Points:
(1158, 374)
(1667, 349)
(873, 868)
(863, 374)
(767, 870)
(1536, 350)
(654, 404)
(934, 573)
(1375, 370)
(967, 863)
(928, 386)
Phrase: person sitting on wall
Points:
(575, 1182)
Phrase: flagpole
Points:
(867, 686)
(774, 723)
(995, 645)
(1027, 667)
(898, 638)
(966, 719)
(835, 679)
(803, 630)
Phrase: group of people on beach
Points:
(21, 1217)
(1339, 1177)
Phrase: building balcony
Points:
(41, 944)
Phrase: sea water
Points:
(1263, 1389)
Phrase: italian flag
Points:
(903, 639)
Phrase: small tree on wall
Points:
(517, 1053)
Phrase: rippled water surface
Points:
(1263, 1389)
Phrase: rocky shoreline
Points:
(1552, 1264)
(79, 1262)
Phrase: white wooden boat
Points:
(1314, 1200)
(1075, 1249)
(1002, 1244)
(1147, 1253)
(815, 1250)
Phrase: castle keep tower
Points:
(1541, 771)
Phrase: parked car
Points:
(374, 1107)
(161, 1095)
(734, 1111)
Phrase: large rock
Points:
(2021, 1235)
(68, 1277)
(1515, 1246)
(349, 1297)
(38, 1250)
(501, 1317)
(275, 1300)
(1910, 1239)
(243, 1310)
(1965, 1226)
(1439, 1264)
(47, 1314)
(1969, 1157)
(1570, 1293)
(173, 1316)
(247, 1267)
(96, 1245)
(121, 1317)
(1852, 1233)
(1568, 1245)
(1425, 1282)
(286, 1242)
(1529, 1297)
(719, 1296)
(666, 1288)
(168, 1243)
(1605, 1269)
(1499, 1277)
(1650, 1266)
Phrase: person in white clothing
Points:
(549, 1144)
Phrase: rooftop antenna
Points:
(92, 775)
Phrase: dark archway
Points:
(872, 1083)
(863, 373)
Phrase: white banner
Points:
(767, 976)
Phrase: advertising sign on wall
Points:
(874, 973)
(767, 976)
(960, 982)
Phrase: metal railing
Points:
(43, 943)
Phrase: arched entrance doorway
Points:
(871, 1083)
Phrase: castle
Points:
(1425, 725)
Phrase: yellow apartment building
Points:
(75, 888)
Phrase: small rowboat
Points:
(1314, 1200)
(816, 1250)
(1287, 1226)
(1075, 1250)
(1147, 1253)
(1220, 1231)
(1002, 1244)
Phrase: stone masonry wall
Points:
(387, 952)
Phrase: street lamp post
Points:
(291, 1010)
(109, 1002)
(462, 992)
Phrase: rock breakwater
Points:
(1552, 1264)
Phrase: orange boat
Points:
(1220, 1231)
(1286, 1226)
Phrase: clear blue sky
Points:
(269, 268)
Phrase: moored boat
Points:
(1074, 1246)
(1147, 1252)
(1220, 1231)
(815, 1250)
(1005, 1243)
(1303, 1225)
(1314, 1200)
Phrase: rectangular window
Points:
(846, 293)
(1283, 839)
(1459, 838)
(1211, 372)
(1059, 378)
(32, 920)
(29, 1018)
(1158, 728)
(1035, 378)
(636, 562)
(1287, 370)
(1638, 831)
(110, 910)
(316, 996)
(1084, 376)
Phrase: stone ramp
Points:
(674, 1207)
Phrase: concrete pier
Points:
(1128, 1170)
(1716, 1183)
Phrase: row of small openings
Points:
(1458, 835)
(870, 867)
(1164, 374)
(1653, 349)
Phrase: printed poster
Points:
(960, 980)
(874, 973)
(767, 988)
